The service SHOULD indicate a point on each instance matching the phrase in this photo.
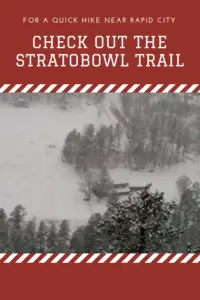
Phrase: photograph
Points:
(99, 173)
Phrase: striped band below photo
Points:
(99, 258)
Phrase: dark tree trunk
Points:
(142, 245)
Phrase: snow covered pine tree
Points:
(138, 224)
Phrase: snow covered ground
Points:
(33, 175)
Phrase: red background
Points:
(106, 281)
(94, 281)
(182, 37)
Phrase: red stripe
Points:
(102, 89)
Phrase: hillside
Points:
(31, 170)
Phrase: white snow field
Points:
(32, 174)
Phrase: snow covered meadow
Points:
(32, 174)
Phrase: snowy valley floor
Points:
(32, 174)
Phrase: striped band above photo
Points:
(99, 88)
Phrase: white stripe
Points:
(104, 258)
(62, 88)
(180, 88)
(97, 88)
(151, 258)
(26, 88)
(92, 258)
(109, 88)
(50, 88)
(197, 260)
(74, 88)
(157, 87)
(2, 255)
(57, 258)
(38, 88)
(163, 258)
(116, 258)
(133, 88)
(187, 258)
(15, 88)
(22, 258)
(84, 90)
(69, 258)
(45, 258)
(128, 258)
(175, 258)
(145, 87)
(4, 87)
(192, 88)
(168, 88)
(121, 88)
(10, 258)
(81, 258)
(140, 258)
(34, 257)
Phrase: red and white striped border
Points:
(100, 88)
(99, 258)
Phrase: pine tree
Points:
(82, 155)
(41, 237)
(84, 238)
(187, 213)
(138, 224)
(89, 234)
(52, 239)
(89, 131)
(183, 183)
(63, 236)
(101, 145)
(77, 240)
(30, 237)
(103, 185)
(88, 146)
(16, 234)
(86, 186)
(70, 147)
(3, 216)
(3, 230)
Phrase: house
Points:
(136, 188)
(120, 185)
(123, 190)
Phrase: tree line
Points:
(155, 133)
(163, 129)
(142, 223)
(18, 235)
(93, 149)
